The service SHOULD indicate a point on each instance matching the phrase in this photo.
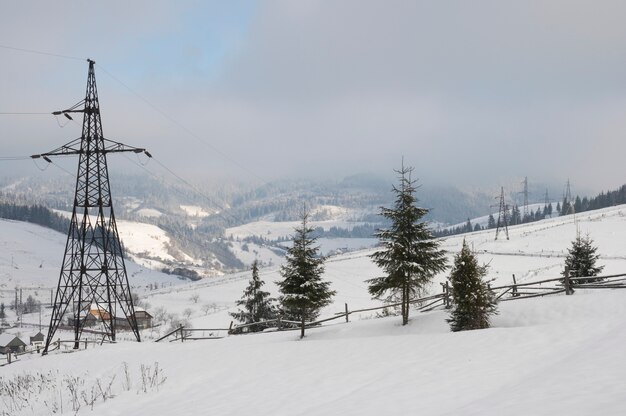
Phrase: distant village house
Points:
(11, 343)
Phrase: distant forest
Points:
(514, 217)
(36, 214)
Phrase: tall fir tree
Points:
(491, 222)
(472, 301)
(303, 291)
(581, 260)
(410, 256)
(256, 304)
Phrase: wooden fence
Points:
(182, 334)
(564, 284)
(515, 291)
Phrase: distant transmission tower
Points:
(525, 192)
(567, 207)
(502, 216)
(93, 280)
(568, 192)
(546, 199)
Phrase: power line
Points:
(21, 114)
(182, 126)
(33, 51)
(146, 101)
(9, 158)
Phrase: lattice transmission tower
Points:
(93, 280)
(525, 193)
(503, 221)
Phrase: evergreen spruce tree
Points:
(257, 305)
(472, 301)
(581, 260)
(303, 291)
(2, 312)
(491, 222)
(410, 256)
(567, 208)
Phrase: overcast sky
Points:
(476, 93)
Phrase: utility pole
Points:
(93, 274)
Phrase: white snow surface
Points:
(194, 211)
(149, 213)
(272, 230)
(545, 356)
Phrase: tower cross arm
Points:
(74, 148)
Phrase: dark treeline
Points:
(515, 217)
(603, 200)
(36, 214)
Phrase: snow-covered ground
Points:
(547, 356)
(271, 230)
(195, 211)
(552, 356)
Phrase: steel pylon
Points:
(503, 221)
(93, 281)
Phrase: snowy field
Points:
(552, 356)
(546, 356)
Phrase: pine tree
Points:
(410, 256)
(2, 313)
(491, 222)
(257, 305)
(473, 302)
(581, 260)
(468, 226)
(516, 216)
(304, 292)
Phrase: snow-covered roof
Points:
(5, 339)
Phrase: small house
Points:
(11, 343)
(143, 318)
(37, 340)
(95, 315)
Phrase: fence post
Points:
(446, 294)
(230, 328)
(515, 294)
(9, 357)
(347, 314)
(182, 335)
(302, 329)
(566, 282)
(279, 321)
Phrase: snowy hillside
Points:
(148, 244)
(546, 356)
(31, 256)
